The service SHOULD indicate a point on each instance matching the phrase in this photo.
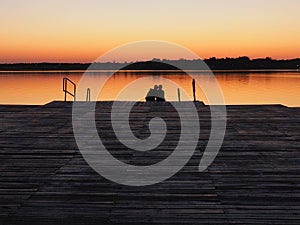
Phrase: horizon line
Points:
(154, 59)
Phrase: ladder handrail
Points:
(65, 88)
(88, 95)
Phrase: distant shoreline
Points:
(147, 71)
(223, 64)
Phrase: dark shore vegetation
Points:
(241, 63)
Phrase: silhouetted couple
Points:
(156, 94)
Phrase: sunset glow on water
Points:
(238, 88)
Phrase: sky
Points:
(83, 30)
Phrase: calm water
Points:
(238, 88)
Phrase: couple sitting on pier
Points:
(156, 94)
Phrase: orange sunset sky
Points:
(82, 30)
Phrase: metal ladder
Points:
(65, 88)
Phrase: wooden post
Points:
(194, 89)
(178, 92)
(74, 93)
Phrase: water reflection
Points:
(238, 88)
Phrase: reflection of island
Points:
(241, 63)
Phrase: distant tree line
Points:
(240, 63)
(245, 63)
(43, 66)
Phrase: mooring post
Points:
(194, 89)
(178, 92)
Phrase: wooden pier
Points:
(255, 178)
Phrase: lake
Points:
(238, 87)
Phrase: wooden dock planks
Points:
(255, 178)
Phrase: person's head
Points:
(155, 87)
(160, 87)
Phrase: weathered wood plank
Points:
(255, 178)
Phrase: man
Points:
(160, 96)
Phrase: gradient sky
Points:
(82, 30)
